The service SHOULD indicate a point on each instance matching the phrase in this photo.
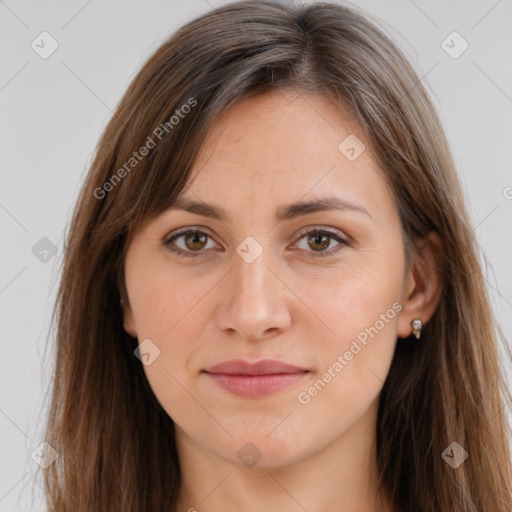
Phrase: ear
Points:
(422, 284)
(128, 318)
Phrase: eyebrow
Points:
(286, 212)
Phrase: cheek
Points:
(170, 319)
(168, 308)
(363, 309)
(361, 305)
(355, 298)
(166, 300)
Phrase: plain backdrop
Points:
(54, 109)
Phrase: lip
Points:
(253, 379)
(262, 367)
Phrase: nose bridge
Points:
(252, 281)
(254, 304)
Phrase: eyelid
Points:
(320, 229)
(183, 231)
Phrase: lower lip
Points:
(256, 385)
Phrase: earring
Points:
(417, 325)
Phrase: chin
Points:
(255, 449)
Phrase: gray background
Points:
(53, 111)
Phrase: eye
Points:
(319, 240)
(191, 242)
(188, 242)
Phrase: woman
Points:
(271, 296)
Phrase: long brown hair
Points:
(115, 443)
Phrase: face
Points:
(252, 278)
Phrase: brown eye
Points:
(319, 241)
(196, 240)
(190, 242)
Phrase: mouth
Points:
(261, 378)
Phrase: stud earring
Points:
(417, 325)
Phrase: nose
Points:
(255, 303)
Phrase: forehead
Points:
(280, 127)
(282, 146)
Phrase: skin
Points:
(288, 304)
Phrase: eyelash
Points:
(168, 242)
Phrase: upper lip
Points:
(263, 367)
